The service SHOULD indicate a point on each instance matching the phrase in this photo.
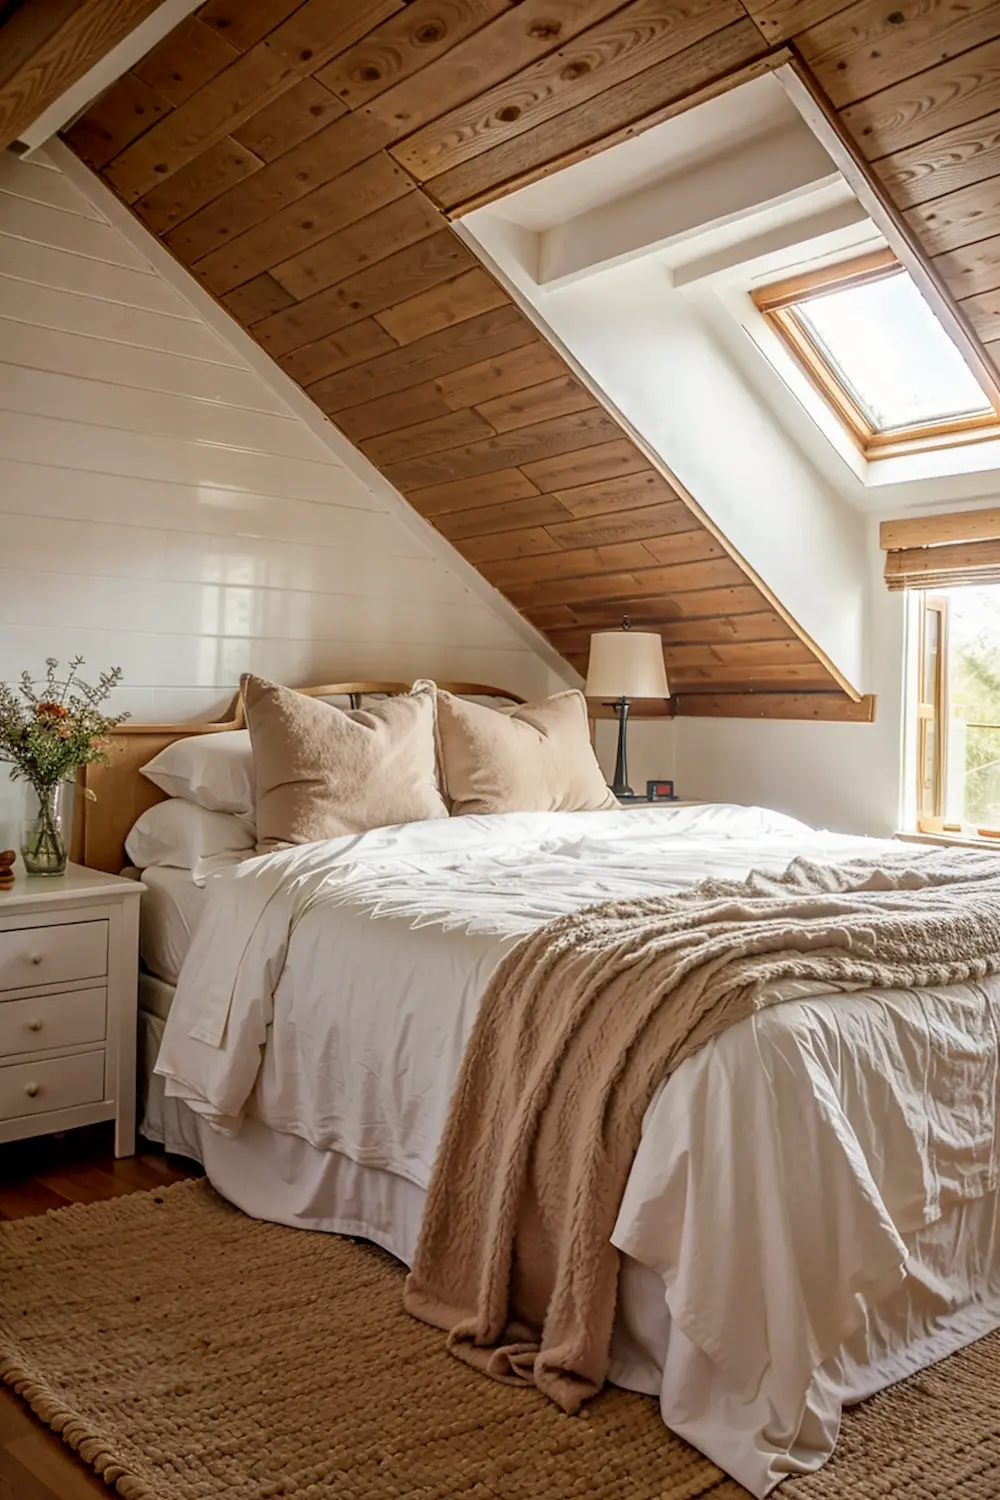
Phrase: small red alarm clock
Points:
(660, 791)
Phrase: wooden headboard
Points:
(121, 793)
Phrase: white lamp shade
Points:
(626, 664)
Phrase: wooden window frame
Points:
(777, 304)
(932, 711)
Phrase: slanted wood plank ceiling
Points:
(302, 158)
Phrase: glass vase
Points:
(43, 847)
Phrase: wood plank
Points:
(604, 57)
(292, 118)
(406, 44)
(698, 605)
(19, 1200)
(509, 450)
(40, 1457)
(517, 370)
(396, 226)
(320, 29)
(684, 545)
(956, 159)
(526, 542)
(550, 398)
(292, 178)
(690, 547)
(868, 48)
(609, 496)
(116, 119)
(246, 22)
(50, 59)
(499, 489)
(368, 186)
(983, 312)
(827, 707)
(196, 184)
(765, 626)
(628, 525)
(645, 100)
(609, 461)
(952, 526)
(748, 678)
(778, 20)
(187, 57)
(491, 520)
(215, 110)
(83, 1184)
(768, 653)
(256, 299)
(438, 258)
(440, 354)
(35, 25)
(420, 404)
(443, 306)
(958, 219)
(974, 268)
(547, 616)
(511, 42)
(355, 345)
(936, 101)
(451, 431)
(637, 584)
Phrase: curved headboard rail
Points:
(121, 793)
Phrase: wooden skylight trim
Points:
(777, 303)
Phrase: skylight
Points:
(872, 346)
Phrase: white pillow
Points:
(213, 770)
(183, 836)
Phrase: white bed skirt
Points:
(941, 1306)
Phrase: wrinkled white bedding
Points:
(779, 1169)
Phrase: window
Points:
(958, 711)
(874, 350)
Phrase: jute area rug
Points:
(190, 1353)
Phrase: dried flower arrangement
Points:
(46, 733)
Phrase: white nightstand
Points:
(68, 973)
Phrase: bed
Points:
(850, 1228)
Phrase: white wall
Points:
(161, 509)
(651, 353)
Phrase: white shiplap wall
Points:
(161, 509)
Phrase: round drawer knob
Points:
(35, 1025)
(31, 1089)
(34, 958)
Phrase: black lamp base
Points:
(620, 785)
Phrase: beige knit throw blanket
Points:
(581, 1022)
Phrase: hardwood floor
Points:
(36, 1175)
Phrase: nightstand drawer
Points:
(50, 1021)
(35, 1088)
(56, 954)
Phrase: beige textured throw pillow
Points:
(535, 758)
(320, 771)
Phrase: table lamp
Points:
(625, 664)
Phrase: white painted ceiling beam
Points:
(776, 167)
(793, 233)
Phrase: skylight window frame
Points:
(777, 303)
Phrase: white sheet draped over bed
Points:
(783, 1171)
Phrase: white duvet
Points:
(781, 1169)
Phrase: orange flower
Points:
(51, 711)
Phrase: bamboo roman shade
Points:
(936, 552)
